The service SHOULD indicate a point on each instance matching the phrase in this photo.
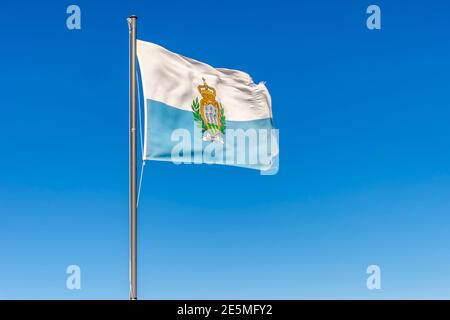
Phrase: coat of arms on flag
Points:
(209, 114)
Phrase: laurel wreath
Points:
(199, 121)
(222, 119)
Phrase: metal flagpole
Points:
(133, 157)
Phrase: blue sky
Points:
(364, 167)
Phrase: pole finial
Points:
(130, 23)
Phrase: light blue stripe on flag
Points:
(163, 120)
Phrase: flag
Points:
(195, 113)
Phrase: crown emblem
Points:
(209, 113)
(207, 92)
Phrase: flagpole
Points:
(133, 157)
